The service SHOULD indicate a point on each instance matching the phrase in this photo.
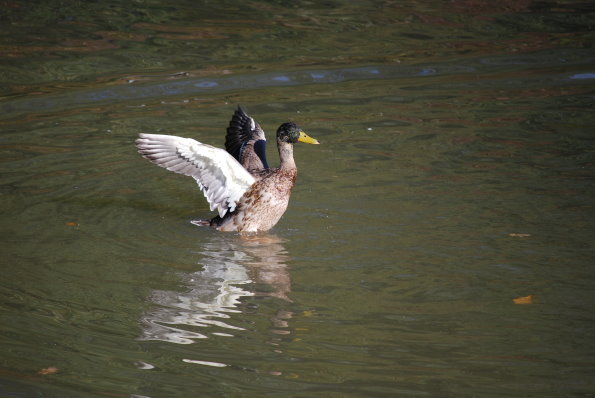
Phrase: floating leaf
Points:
(71, 224)
(524, 300)
(48, 371)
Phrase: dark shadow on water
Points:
(233, 268)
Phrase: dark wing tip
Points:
(239, 132)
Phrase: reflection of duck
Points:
(232, 268)
(268, 265)
(248, 195)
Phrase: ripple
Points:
(131, 91)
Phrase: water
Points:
(455, 175)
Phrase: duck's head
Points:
(291, 133)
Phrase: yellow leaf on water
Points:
(524, 300)
(48, 371)
(71, 224)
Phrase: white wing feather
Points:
(222, 179)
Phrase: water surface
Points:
(455, 175)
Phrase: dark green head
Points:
(290, 132)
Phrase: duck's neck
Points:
(286, 155)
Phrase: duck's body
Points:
(249, 196)
(262, 206)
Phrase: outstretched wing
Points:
(246, 142)
(220, 177)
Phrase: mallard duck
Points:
(248, 195)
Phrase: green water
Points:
(456, 174)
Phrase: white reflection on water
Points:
(206, 363)
(230, 266)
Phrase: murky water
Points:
(438, 243)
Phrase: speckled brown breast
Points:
(263, 205)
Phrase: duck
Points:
(249, 196)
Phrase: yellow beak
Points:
(307, 139)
